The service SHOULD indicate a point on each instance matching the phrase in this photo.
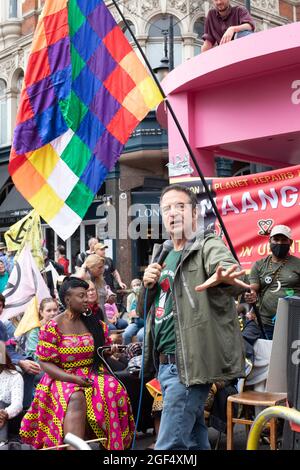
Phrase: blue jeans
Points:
(4, 429)
(132, 329)
(241, 34)
(119, 325)
(140, 335)
(28, 389)
(182, 425)
(269, 330)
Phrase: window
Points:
(161, 25)
(3, 112)
(245, 170)
(158, 34)
(74, 245)
(13, 9)
(19, 87)
(199, 30)
(126, 31)
(5, 191)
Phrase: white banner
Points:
(25, 281)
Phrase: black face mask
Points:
(279, 250)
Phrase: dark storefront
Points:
(146, 212)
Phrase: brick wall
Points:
(29, 24)
(29, 5)
(30, 12)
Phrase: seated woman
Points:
(136, 326)
(76, 388)
(112, 313)
(93, 301)
(11, 393)
(135, 286)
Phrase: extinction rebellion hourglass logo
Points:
(165, 288)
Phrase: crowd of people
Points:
(57, 365)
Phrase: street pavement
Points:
(143, 441)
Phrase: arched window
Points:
(163, 24)
(126, 31)
(19, 87)
(199, 30)
(3, 112)
(158, 31)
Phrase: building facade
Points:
(141, 171)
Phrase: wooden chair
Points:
(253, 398)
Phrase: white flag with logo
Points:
(54, 273)
(25, 281)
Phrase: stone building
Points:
(141, 172)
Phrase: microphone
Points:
(167, 247)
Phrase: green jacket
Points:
(209, 344)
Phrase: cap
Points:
(281, 230)
(100, 246)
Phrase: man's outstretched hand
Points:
(224, 276)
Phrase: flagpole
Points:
(205, 185)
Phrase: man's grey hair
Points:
(183, 189)
(92, 241)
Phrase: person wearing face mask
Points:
(136, 324)
(275, 276)
(135, 286)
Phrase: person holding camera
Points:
(111, 274)
(136, 324)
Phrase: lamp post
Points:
(248, 5)
(164, 66)
(162, 69)
(171, 43)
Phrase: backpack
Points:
(218, 412)
(135, 364)
(80, 259)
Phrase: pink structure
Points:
(240, 100)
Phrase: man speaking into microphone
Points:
(192, 334)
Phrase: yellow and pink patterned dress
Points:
(108, 407)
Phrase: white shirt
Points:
(11, 391)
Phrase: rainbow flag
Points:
(85, 90)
